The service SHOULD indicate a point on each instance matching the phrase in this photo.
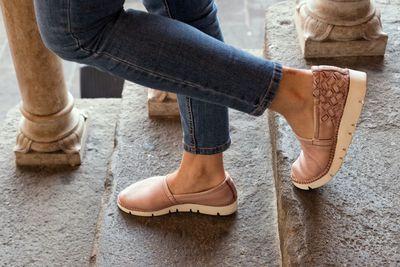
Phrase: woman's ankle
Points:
(294, 100)
(197, 173)
(294, 92)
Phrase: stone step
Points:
(153, 147)
(68, 216)
(49, 215)
(353, 220)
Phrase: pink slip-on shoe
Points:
(152, 197)
(338, 100)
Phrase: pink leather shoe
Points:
(152, 197)
(338, 101)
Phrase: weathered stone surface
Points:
(353, 220)
(146, 148)
(49, 216)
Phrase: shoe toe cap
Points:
(306, 168)
(145, 195)
(127, 199)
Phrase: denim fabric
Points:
(163, 53)
(205, 126)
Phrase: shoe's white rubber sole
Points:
(195, 208)
(351, 114)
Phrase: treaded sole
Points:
(194, 208)
(351, 114)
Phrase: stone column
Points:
(162, 105)
(331, 28)
(52, 130)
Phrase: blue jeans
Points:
(186, 57)
(205, 125)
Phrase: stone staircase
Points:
(355, 219)
(146, 148)
(68, 216)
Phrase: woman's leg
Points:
(205, 125)
(157, 52)
(322, 106)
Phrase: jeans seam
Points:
(74, 37)
(163, 76)
(190, 120)
(167, 9)
(189, 109)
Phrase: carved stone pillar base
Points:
(68, 150)
(328, 28)
(162, 105)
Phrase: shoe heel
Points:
(355, 100)
(351, 114)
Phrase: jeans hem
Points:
(270, 93)
(207, 150)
